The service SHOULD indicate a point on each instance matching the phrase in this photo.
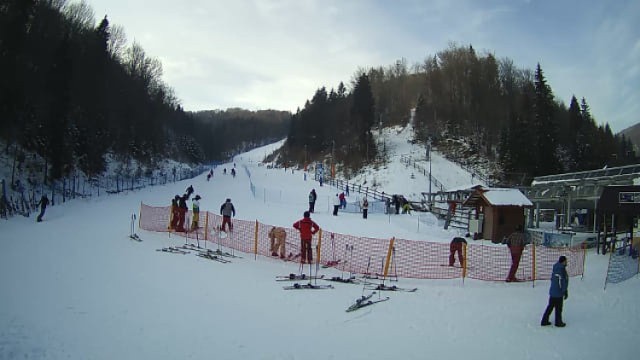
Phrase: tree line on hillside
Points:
(74, 92)
(507, 114)
(336, 124)
(224, 133)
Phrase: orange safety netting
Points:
(377, 257)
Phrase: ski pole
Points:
(317, 263)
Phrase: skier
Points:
(396, 203)
(189, 191)
(44, 201)
(346, 189)
(227, 210)
(196, 212)
(307, 228)
(182, 212)
(343, 201)
(456, 247)
(365, 207)
(173, 215)
(277, 237)
(336, 205)
(558, 291)
(312, 200)
(233, 172)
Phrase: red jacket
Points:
(307, 228)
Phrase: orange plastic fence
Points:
(363, 255)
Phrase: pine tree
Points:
(545, 126)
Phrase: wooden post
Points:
(389, 252)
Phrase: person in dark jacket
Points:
(307, 228)
(312, 200)
(456, 246)
(175, 214)
(44, 201)
(227, 210)
(182, 212)
(396, 203)
(558, 291)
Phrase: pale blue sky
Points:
(275, 54)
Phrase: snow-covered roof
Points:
(506, 197)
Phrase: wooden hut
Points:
(500, 211)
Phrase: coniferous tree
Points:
(545, 126)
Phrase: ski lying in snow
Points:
(309, 286)
(456, 266)
(208, 251)
(331, 263)
(224, 253)
(294, 277)
(173, 250)
(382, 287)
(213, 257)
(135, 237)
(365, 301)
(351, 280)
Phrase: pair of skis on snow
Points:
(364, 301)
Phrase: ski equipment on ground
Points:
(173, 250)
(308, 286)
(213, 257)
(382, 287)
(295, 277)
(365, 301)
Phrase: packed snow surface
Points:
(76, 287)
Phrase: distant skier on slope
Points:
(44, 201)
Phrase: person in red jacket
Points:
(307, 228)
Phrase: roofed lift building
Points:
(574, 198)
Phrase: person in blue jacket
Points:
(558, 291)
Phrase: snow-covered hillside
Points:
(407, 168)
(75, 287)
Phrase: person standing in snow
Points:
(365, 207)
(44, 201)
(174, 214)
(336, 205)
(182, 212)
(346, 189)
(456, 246)
(277, 237)
(196, 212)
(396, 203)
(227, 210)
(516, 242)
(189, 191)
(312, 200)
(343, 201)
(307, 228)
(558, 292)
